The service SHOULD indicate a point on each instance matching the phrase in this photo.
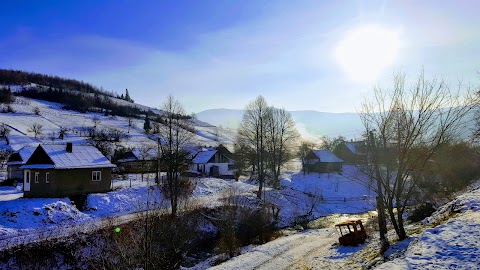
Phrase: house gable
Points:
(15, 158)
(39, 156)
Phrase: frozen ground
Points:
(23, 216)
(450, 240)
(454, 244)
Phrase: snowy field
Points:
(26, 216)
(52, 117)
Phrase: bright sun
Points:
(366, 51)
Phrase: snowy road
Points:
(306, 250)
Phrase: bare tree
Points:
(52, 136)
(145, 155)
(4, 132)
(303, 149)
(281, 135)
(130, 123)
(330, 143)
(95, 121)
(36, 110)
(407, 125)
(175, 137)
(252, 135)
(36, 129)
(62, 132)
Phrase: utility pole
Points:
(382, 222)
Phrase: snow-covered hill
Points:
(52, 117)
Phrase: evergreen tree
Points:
(127, 96)
(146, 126)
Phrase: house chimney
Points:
(69, 147)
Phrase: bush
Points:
(186, 187)
(421, 212)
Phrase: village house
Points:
(213, 162)
(353, 153)
(60, 171)
(16, 160)
(322, 161)
(133, 162)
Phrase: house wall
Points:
(222, 168)
(68, 182)
(14, 172)
(137, 166)
(312, 165)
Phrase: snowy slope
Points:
(52, 117)
(454, 244)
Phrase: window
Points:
(96, 175)
(47, 177)
(36, 177)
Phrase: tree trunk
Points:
(382, 221)
(260, 188)
(401, 229)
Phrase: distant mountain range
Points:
(309, 123)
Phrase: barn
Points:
(322, 161)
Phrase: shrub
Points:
(421, 212)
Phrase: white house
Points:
(213, 161)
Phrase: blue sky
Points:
(300, 55)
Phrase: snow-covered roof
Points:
(326, 156)
(351, 146)
(25, 153)
(82, 156)
(354, 147)
(203, 156)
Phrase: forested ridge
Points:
(74, 94)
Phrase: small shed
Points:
(60, 171)
(322, 161)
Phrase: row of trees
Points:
(411, 133)
(18, 77)
(81, 102)
(265, 142)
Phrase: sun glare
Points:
(366, 51)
